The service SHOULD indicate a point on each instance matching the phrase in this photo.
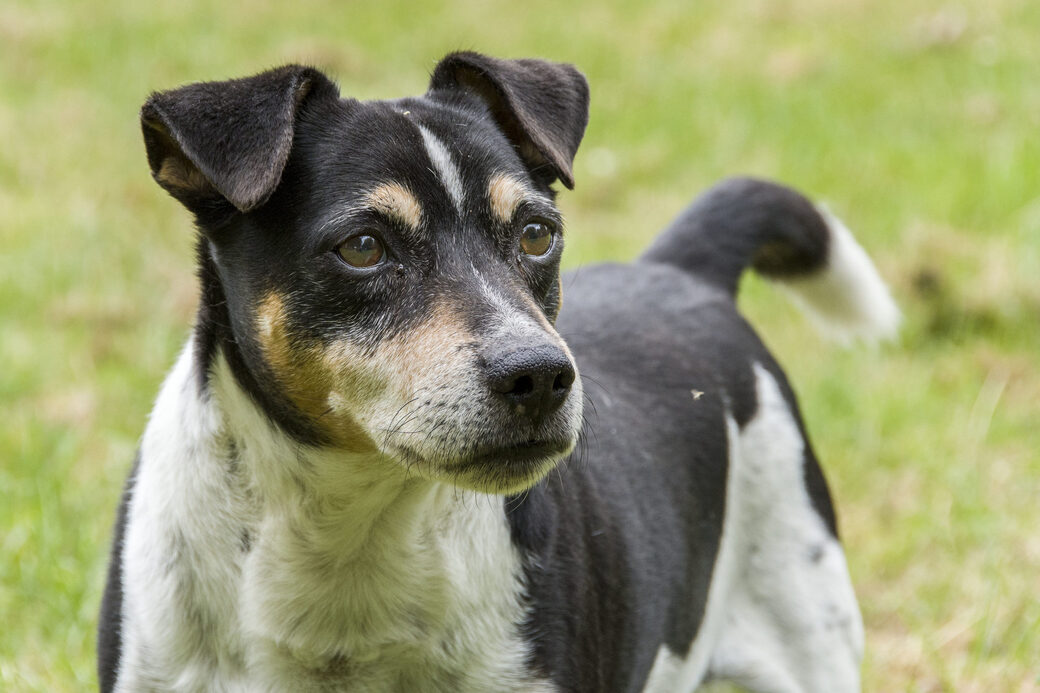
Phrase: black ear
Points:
(542, 107)
(227, 140)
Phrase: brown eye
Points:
(361, 251)
(537, 238)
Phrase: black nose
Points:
(535, 379)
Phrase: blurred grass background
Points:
(916, 121)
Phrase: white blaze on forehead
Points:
(443, 165)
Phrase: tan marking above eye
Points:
(505, 194)
(397, 202)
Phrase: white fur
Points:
(666, 672)
(781, 615)
(446, 168)
(847, 299)
(359, 576)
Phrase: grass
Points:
(917, 124)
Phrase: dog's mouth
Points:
(510, 468)
(507, 468)
(473, 440)
(526, 453)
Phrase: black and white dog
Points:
(375, 466)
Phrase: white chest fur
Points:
(252, 563)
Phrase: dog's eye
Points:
(361, 251)
(537, 238)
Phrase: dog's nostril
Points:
(564, 380)
(522, 386)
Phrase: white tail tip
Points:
(847, 300)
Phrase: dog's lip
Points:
(524, 453)
(508, 460)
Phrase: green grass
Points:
(918, 125)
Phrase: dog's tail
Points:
(744, 222)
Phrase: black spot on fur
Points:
(232, 461)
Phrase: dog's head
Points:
(384, 276)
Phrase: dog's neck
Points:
(344, 559)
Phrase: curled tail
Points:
(745, 222)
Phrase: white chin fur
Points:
(846, 300)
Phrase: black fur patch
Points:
(110, 623)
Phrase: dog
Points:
(375, 465)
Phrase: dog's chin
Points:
(504, 469)
(508, 469)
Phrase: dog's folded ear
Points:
(542, 107)
(228, 140)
